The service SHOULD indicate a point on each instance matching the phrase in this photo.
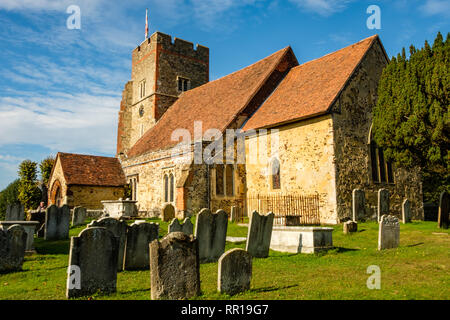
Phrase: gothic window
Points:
(169, 187)
(229, 180)
(219, 180)
(381, 170)
(275, 174)
(183, 84)
(133, 182)
(166, 188)
(172, 188)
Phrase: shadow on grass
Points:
(272, 288)
(342, 250)
(134, 291)
(415, 245)
(53, 247)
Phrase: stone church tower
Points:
(161, 71)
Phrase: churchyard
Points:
(417, 269)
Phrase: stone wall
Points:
(90, 197)
(306, 163)
(352, 119)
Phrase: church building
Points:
(309, 124)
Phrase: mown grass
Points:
(418, 269)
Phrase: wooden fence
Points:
(289, 209)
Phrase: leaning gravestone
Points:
(233, 213)
(12, 248)
(174, 267)
(167, 212)
(259, 234)
(15, 212)
(388, 233)
(57, 222)
(350, 227)
(406, 211)
(358, 204)
(139, 236)
(79, 215)
(235, 272)
(119, 229)
(93, 261)
(444, 206)
(383, 203)
(186, 227)
(211, 232)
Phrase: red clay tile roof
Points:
(311, 88)
(80, 169)
(216, 104)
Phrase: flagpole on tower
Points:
(146, 24)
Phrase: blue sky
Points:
(60, 89)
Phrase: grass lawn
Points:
(418, 269)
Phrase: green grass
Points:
(418, 269)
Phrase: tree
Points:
(46, 167)
(9, 195)
(29, 193)
(411, 118)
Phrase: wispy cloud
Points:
(322, 7)
(436, 7)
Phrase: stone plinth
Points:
(119, 208)
(301, 239)
(29, 226)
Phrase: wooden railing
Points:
(289, 209)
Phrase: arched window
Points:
(381, 170)
(166, 188)
(229, 180)
(275, 174)
(172, 188)
(219, 180)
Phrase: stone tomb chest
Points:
(301, 239)
(120, 208)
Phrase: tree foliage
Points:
(46, 167)
(411, 118)
(29, 193)
(9, 195)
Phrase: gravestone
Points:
(139, 236)
(350, 227)
(443, 213)
(12, 248)
(174, 267)
(15, 212)
(406, 211)
(57, 222)
(389, 232)
(383, 203)
(211, 233)
(187, 226)
(79, 215)
(358, 204)
(233, 213)
(93, 260)
(259, 234)
(119, 229)
(167, 212)
(235, 272)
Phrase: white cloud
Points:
(322, 7)
(436, 7)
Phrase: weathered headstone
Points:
(235, 271)
(174, 267)
(12, 248)
(57, 222)
(358, 204)
(259, 234)
(167, 212)
(15, 212)
(443, 213)
(406, 211)
(187, 226)
(350, 227)
(78, 216)
(92, 263)
(211, 233)
(119, 229)
(383, 203)
(389, 232)
(233, 213)
(139, 236)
